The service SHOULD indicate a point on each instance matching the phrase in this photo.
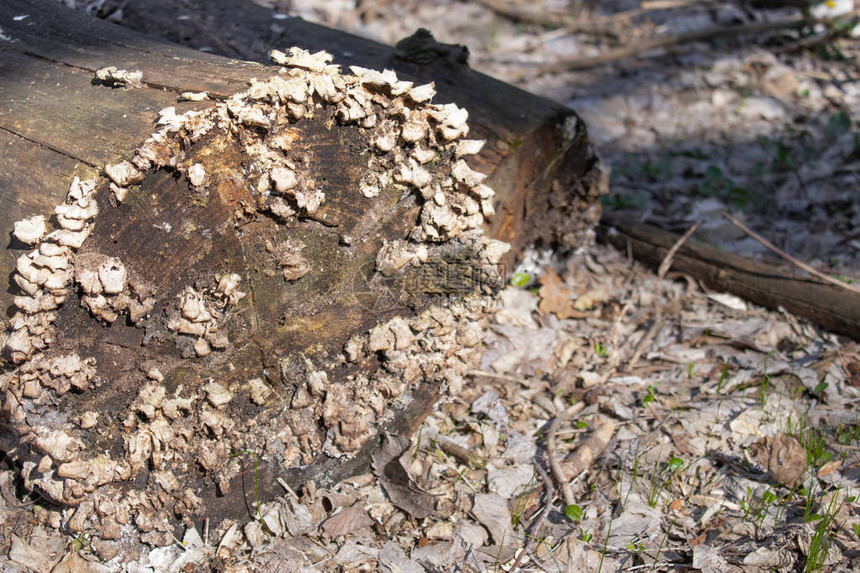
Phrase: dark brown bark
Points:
(824, 304)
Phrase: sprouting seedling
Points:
(600, 350)
(822, 539)
(662, 477)
(256, 482)
(724, 373)
(520, 279)
(650, 396)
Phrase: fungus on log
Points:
(287, 265)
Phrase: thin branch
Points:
(627, 51)
(462, 455)
(670, 256)
(664, 267)
(584, 456)
(788, 257)
(558, 472)
(522, 13)
(505, 377)
(538, 523)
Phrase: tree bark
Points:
(824, 304)
(159, 392)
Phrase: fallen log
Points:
(827, 305)
(211, 259)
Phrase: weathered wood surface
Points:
(56, 122)
(824, 304)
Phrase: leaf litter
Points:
(734, 430)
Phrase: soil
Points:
(621, 420)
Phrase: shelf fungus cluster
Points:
(157, 335)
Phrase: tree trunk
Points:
(282, 277)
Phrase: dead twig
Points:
(572, 20)
(462, 455)
(789, 258)
(520, 12)
(537, 523)
(584, 456)
(505, 377)
(834, 32)
(664, 267)
(670, 256)
(570, 65)
(558, 472)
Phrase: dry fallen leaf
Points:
(346, 521)
(829, 468)
(492, 512)
(783, 456)
(556, 297)
(591, 299)
(676, 505)
(395, 480)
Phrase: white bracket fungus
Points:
(29, 231)
(114, 77)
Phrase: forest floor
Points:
(620, 420)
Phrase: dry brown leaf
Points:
(676, 505)
(346, 521)
(395, 480)
(783, 456)
(590, 300)
(556, 297)
(698, 540)
(829, 468)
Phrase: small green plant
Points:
(574, 513)
(662, 477)
(520, 279)
(81, 542)
(820, 388)
(781, 155)
(764, 390)
(819, 544)
(843, 279)
(838, 125)
(813, 440)
(691, 370)
(600, 350)
(724, 373)
(620, 201)
(256, 483)
(715, 184)
(635, 547)
(521, 502)
(761, 506)
(650, 396)
(848, 435)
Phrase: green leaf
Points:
(520, 279)
(676, 464)
(573, 512)
(838, 124)
(588, 537)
